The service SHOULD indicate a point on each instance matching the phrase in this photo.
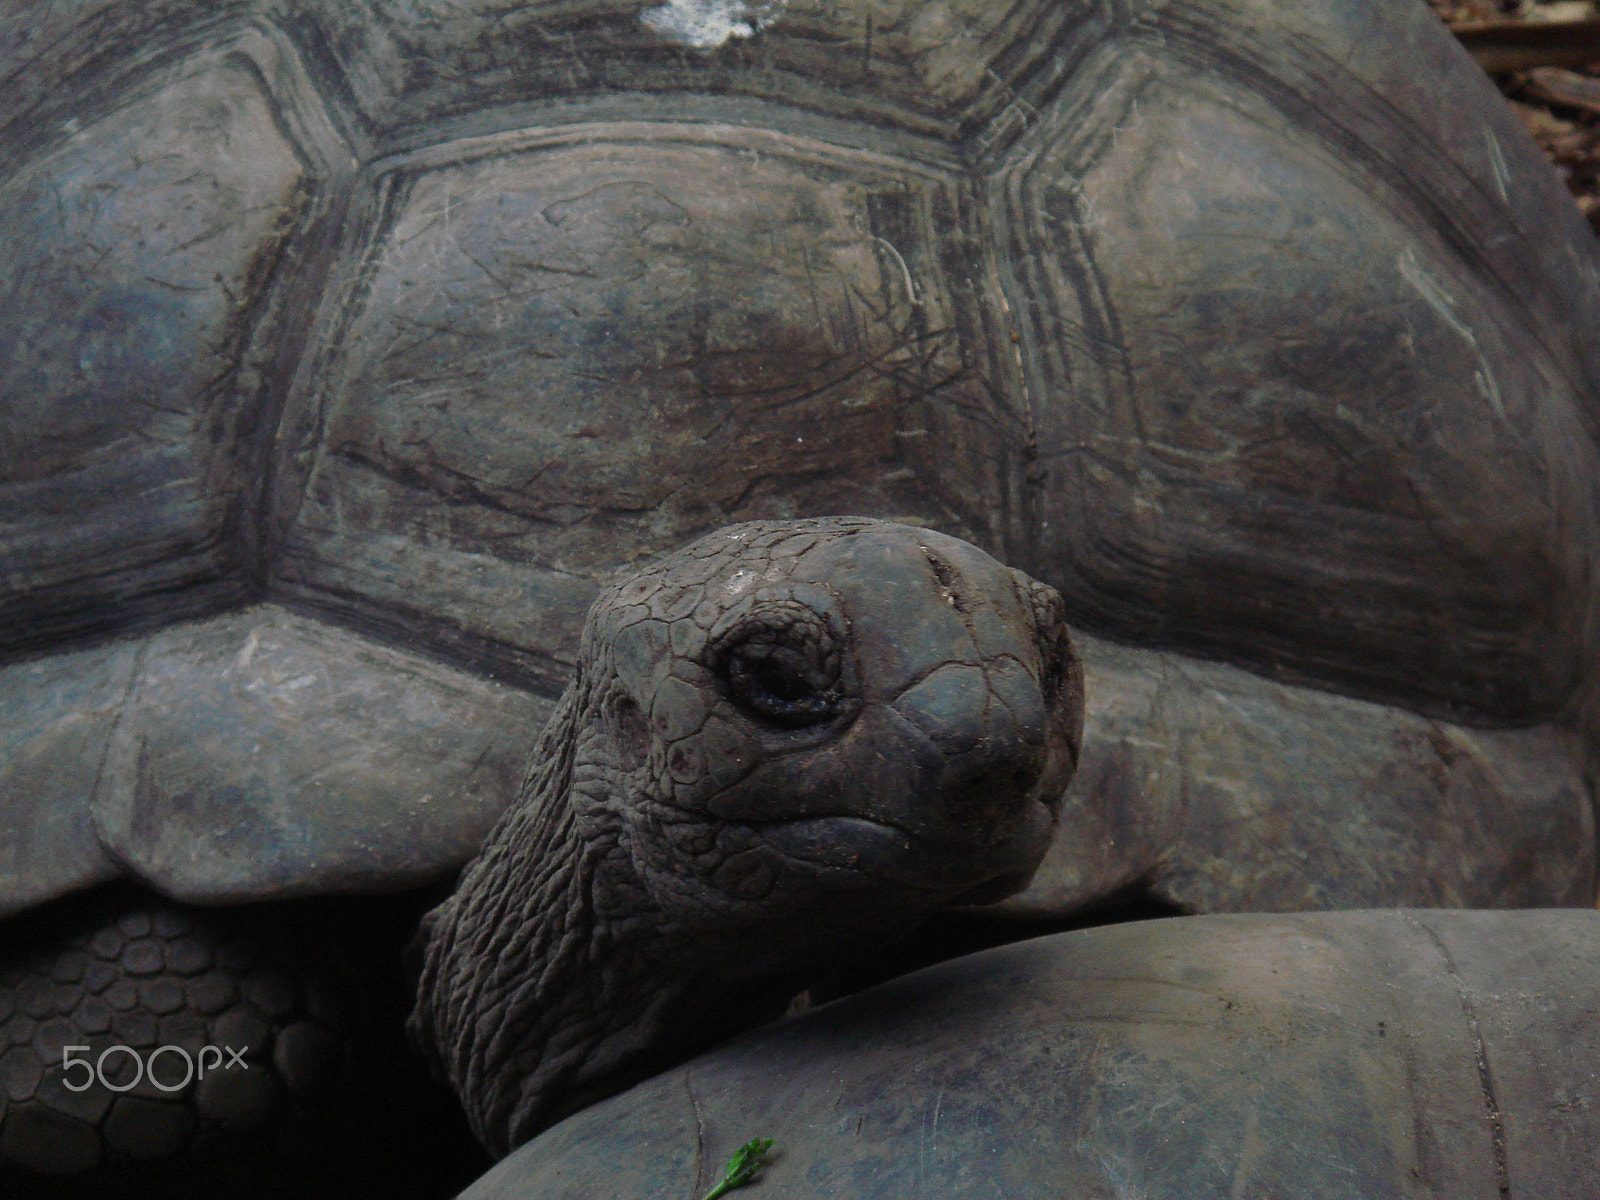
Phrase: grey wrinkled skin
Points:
(785, 743)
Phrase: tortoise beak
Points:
(961, 775)
(991, 727)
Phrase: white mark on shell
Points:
(1497, 162)
(1445, 305)
(248, 651)
(708, 24)
(905, 271)
(738, 582)
(1436, 297)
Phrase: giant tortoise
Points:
(352, 348)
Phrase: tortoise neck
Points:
(548, 979)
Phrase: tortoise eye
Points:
(784, 673)
(780, 685)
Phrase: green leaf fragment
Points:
(747, 1160)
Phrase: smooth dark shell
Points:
(1349, 1055)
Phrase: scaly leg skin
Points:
(285, 1105)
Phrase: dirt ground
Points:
(1557, 94)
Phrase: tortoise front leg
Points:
(149, 1048)
(138, 1031)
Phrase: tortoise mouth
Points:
(994, 890)
(992, 864)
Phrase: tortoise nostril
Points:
(1023, 779)
(983, 787)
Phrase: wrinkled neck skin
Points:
(549, 979)
(786, 744)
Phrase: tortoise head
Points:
(788, 715)
(785, 743)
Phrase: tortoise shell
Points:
(350, 348)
